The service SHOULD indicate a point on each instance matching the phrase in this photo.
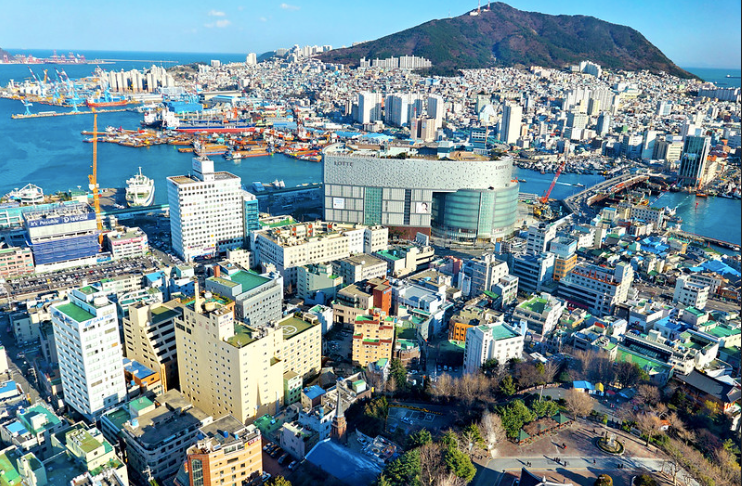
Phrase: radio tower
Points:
(479, 6)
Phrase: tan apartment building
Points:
(149, 338)
(226, 367)
(373, 338)
(301, 351)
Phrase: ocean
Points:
(718, 76)
(50, 152)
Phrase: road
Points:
(16, 366)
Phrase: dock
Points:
(45, 114)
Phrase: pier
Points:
(45, 114)
(705, 239)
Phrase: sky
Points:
(695, 33)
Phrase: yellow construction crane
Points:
(93, 178)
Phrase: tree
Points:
(630, 374)
(578, 402)
(603, 480)
(648, 394)
(405, 470)
(472, 435)
(550, 371)
(544, 408)
(648, 424)
(279, 481)
(514, 416)
(645, 480)
(431, 463)
(419, 438)
(398, 373)
(507, 386)
(491, 427)
(444, 386)
(490, 366)
(459, 463)
(450, 439)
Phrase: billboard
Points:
(338, 203)
(67, 218)
(422, 208)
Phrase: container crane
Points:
(545, 198)
(93, 178)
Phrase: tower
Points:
(339, 425)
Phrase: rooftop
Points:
(163, 313)
(293, 326)
(78, 314)
(166, 422)
(248, 280)
(499, 332)
(535, 305)
(243, 336)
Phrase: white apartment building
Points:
(648, 214)
(436, 109)
(369, 107)
(206, 211)
(512, 115)
(596, 288)
(540, 313)
(481, 273)
(491, 341)
(539, 237)
(292, 246)
(86, 333)
(396, 110)
(359, 267)
(690, 293)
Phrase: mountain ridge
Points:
(503, 36)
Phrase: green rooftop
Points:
(141, 403)
(722, 331)
(243, 336)
(51, 419)
(293, 326)
(277, 224)
(223, 281)
(536, 305)
(627, 355)
(499, 332)
(118, 417)
(393, 256)
(405, 331)
(694, 311)
(78, 314)
(162, 313)
(248, 280)
(88, 290)
(8, 474)
(88, 443)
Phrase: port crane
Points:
(93, 178)
(559, 170)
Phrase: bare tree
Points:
(444, 386)
(447, 478)
(585, 361)
(578, 403)
(649, 425)
(491, 428)
(550, 371)
(648, 394)
(431, 462)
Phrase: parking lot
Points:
(409, 420)
(339, 344)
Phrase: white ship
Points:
(140, 190)
(29, 194)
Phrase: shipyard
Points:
(326, 246)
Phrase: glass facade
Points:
(372, 206)
(471, 215)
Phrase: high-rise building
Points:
(664, 108)
(539, 236)
(436, 109)
(481, 273)
(228, 453)
(491, 341)
(693, 161)
(577, 121)
(533, 271)
(149, 338)
(464, 197)
(604, 123)
(690, 293)
(511, 122)
(423, 128)
(396, 110)
(224, 366)
(251, 59)
(258, 298)
(86, 333)
(207, 211)
(369, 107)
(598, 289)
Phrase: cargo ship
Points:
(140, 190)
(215, 126)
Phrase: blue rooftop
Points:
(8, 387)
(16, 428)
(313, 392)
(583, 385)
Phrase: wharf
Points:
(45, 114)
(706, 240)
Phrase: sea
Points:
(51, 153)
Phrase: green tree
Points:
(460, 464)
(645, 480)
(472, 434)
(545, 408)
(404, 471)
(419, 438)
(507, 386)
(279, 481)
(450, 439)
(490, 366)
(398, 373)
(514, 416)
(603, 480)
(375, 414)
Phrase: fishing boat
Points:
(701, 194)
(140, 190)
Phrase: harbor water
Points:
(51, 153)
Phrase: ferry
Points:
(140, 190)
(28, 194)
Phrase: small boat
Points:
(701, 194)
(522, 180)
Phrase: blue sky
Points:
(691, 33)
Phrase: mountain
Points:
(505, 36)
(5, 53)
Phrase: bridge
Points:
(127, 213)
(591, 195)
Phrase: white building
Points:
(539, 237)
(396, 110)
(491, 341)
(86, 334)
(690, 293)
(541, 313)
(131, 243)
(591, 68)
(206, 211)
(369, 107)
(436, 109)
(482, 273)
(597, 288)
(512, 115)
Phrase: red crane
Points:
(545, 199)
